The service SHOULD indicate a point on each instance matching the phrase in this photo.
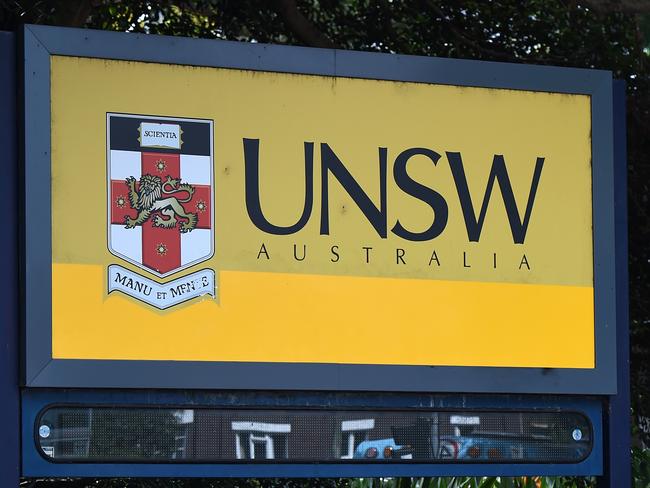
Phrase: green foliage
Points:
(465, 482)
(640, 468)
(445, 482)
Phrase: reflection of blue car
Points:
(382, 449)
(493, 447)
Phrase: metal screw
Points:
(576, 434)
(44, 431)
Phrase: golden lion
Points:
(152, 196)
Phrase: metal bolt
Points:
(576, 434)
(44, 431)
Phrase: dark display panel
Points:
(182, 435)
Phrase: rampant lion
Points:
(152, 196)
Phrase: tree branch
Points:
(304, 30)
(466, 40)
(72, 13)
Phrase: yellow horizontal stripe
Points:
(279, 317)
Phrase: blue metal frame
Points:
(9, 332)
(35, 465)
(41, 370)
(617, 426)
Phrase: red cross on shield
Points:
(160, 191)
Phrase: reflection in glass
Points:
(110, 434)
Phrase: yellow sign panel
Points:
(211, 214)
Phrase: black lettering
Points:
(163, 134)
(253, 205)
(498, 173)
(330, 163)
(421, 192)
(399, 256)
(494, 260)
(120, 279)
(263, 251)
(304, 252)
(367, 249)
(524, 262)
(335, 255)
(434, 257)
(465, 265)
(142, 288)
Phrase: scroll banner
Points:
(158, 295)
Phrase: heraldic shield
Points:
(160, 198)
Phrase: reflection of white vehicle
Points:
(259, 440)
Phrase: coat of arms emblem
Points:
(160, 206)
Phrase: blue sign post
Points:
(9, 324)
(617, 459)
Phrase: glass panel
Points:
(123, 434)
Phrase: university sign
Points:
(278, 217)
(297, 208)
(319, 257)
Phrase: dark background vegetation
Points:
(606, 34)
